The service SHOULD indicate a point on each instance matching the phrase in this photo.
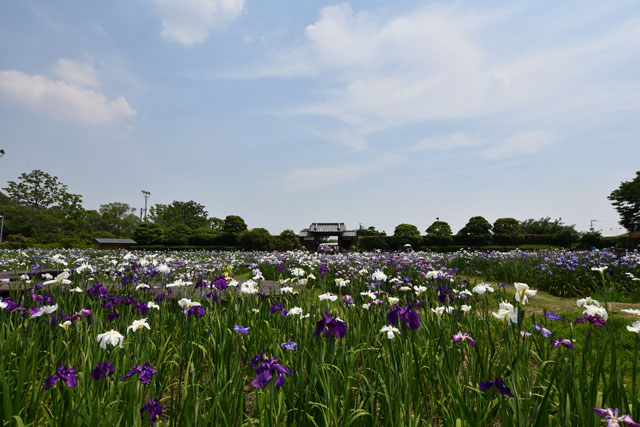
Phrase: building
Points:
(311, 236)
(114, 244)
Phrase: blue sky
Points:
(290, 112)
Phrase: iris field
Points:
(292, 338)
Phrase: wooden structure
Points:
(311, 236)
(114, 244)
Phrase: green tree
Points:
(370, 231)
(566, 237)
(406, 233)
(541, 226)
(178, 234)
(204, 236)
(148, 233)
(234, 224)
(506, 231)
(286, 241)
(37, 189)
(626, 200)
(439, 233)
(217, 224)
(476, 231)
(118, 218)
(257, 239)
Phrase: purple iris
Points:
(102, 370)
(497, 383)
(113, 315)
(97, 291)
(328, 325)
(347, 300)
(408, 316)
(611, 415)
(68, 375)
(220, 283)
(266, 369)
(594, 320)
(277, 307)
(560, 342)
(462, 337)
(241, 329)
(155, 410)
(289, 345)
(196, 311)
(552, 316)
(146, 372)
(544, 331)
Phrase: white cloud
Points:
(71, 99)
(322, 178)
(519, 143)
(189, 22)
(448, 142)
(80, 74)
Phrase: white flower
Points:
(186, 303)
(286, 290)
(366, 306)
(112, 337)
(433, 274)
(60, 280)
(76, 289)
(635, 327)
(255, 310)
(404, 288)
(599, 269)
(378, 276)
(587, 301)
(368, 294)
(152, 304)
(393, 300)
(522, 292)
(137, 324)
(163, 268)
(465, 308)
(65, 325)
(233, 283)
(328, 296)
(594, 310)
(341, 283)
(142, 286)
(48, 309)
(83, 268)
(363, 272)
(419, 290)
(295, 311)
(59, 259)
(298, 272)
(466, 292)
(47, 276)
(633, 311)
(249, 287)
(311, 277)
(3, 305)
(481, 288)
(24, 277)
(505, 315)
(178, 284)
(504, 305)
(440, 310)
(390, 331)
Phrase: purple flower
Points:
(146, 372)
(544, 331)
(289, 345)
(155, 410)
(68, 375)
(462, 337)
(266, 369)
(197, 311)
(113, 315)
(594, 320)
(241, 329)
(497, 383)
(220, 283)
(559, 341)
(347, 300)
(102, 370)
(611, 415)
(277, 307)
(328, 325)
(408, 315)
(552, 316)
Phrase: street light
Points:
(1, 227)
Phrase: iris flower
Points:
(289, 345)
(265, 369)
(409, 316)
(328, 325)
(61, 279)
(145, 372)
(612, 418)
(462, 337)
(138, 324)
(497, 383)
(522, 292)
(391, 331)
(155, 410)
(67, 375)
(112, 337)
(241, 329)
(102, 370)
(560, 342)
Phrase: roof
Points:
(120, 241)
(327, 227)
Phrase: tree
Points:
(37, 189)
(286, 241)
(566, 237)
(204, 236)
(370, 231)
(178, 234)
(118, 218)
(257, 239)
(541, 226)
(506, 231)
(626, 200)
(406, 234)
(439, 233)
(148, 233)
(217, 224)
(234, 224)
(476, 231)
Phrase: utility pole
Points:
(591, 229)
(146, 195)
(1, 227)
(1, 153)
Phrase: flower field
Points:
(292, 338)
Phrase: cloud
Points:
(322, 178)
(72, 98)
(448, 142)
(189, 22)
(519, 143)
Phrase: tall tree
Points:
(626, 200)
(118, 218)
(191, 214)
(234, 224)
(506, 231)
(406, 233)
(476, 231)
(439, 233)
(37, 189)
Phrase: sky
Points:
(289, 112)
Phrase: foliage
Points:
(370, 231)
(566, 237)
(406, 233)
(371, 243)
(178, 234)
(148, 233)
(626, 200)
(204, 236)
(439, 233)
(234, 224)
(118, 219)
(37, 189)
(476, 231)
(542, 226)
(191, 214)
(287, 240)
(217, 224)
(256, 239)
(506, 231)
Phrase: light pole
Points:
(1, 227)
(1, 153)
(146, 195)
